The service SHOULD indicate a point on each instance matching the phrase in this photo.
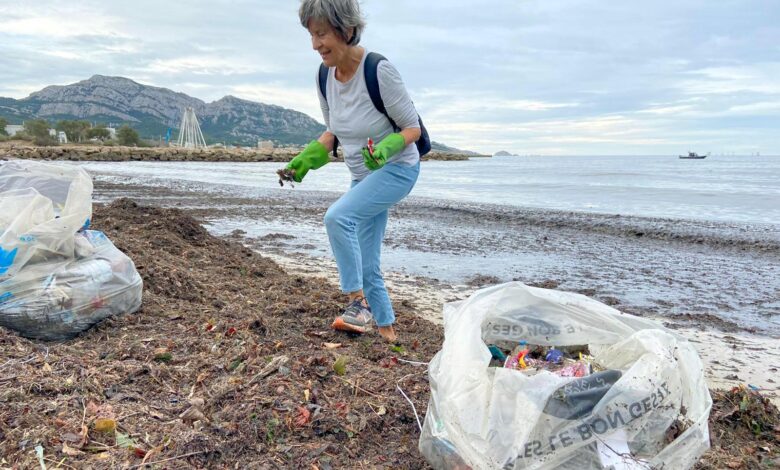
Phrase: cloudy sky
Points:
(529, 76)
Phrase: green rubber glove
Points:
(314, 156)
(383, 151)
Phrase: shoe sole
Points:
(341, 325)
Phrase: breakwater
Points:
(173, 154)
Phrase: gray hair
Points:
(342, 15)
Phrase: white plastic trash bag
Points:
(41, 207)
(646, 407)
(57, 300)
(56, 277)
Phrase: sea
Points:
(743, 189)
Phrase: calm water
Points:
(727, 189)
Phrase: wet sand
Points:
(691, 283)
(690, 273)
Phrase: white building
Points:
(265, 145)
(13, 129)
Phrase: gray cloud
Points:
(573, 77)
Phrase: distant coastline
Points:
(74, 152)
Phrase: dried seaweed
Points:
(192, 380)
(286, 174)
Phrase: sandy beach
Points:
(188, 378)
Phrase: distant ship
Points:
(693, 156)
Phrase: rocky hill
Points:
(152, 110)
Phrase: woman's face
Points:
(325, 40)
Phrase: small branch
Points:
(415, 363)
(270, 368)
(30, 359)
(407, 376)
(60, 463)
(359, 388)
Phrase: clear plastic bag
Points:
(56, 277)
(41, 207)
(651, 383)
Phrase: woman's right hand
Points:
(314, 156)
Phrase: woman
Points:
(381, 176)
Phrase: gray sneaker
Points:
(355, 319)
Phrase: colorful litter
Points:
(567, 362)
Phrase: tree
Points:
(37, 128)
(75, 130)
(98, 133)
(3, 123)
(126, 135)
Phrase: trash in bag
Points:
(531, 378)
(57, 278)
(55, 301)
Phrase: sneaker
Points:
(356, 318)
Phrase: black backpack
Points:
(372, 83)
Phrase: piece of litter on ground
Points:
(39, 454)
(419, 425)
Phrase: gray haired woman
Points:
(381, 175)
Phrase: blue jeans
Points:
(356, 226)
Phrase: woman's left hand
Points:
(383, 151)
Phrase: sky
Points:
(547, 77)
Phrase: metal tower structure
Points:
(190, 135)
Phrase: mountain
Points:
(504, 153)
(9, 109)
(152, 110)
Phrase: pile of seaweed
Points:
(744, 431)
(231, 363)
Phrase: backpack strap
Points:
(322, 80)
(370, 71)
